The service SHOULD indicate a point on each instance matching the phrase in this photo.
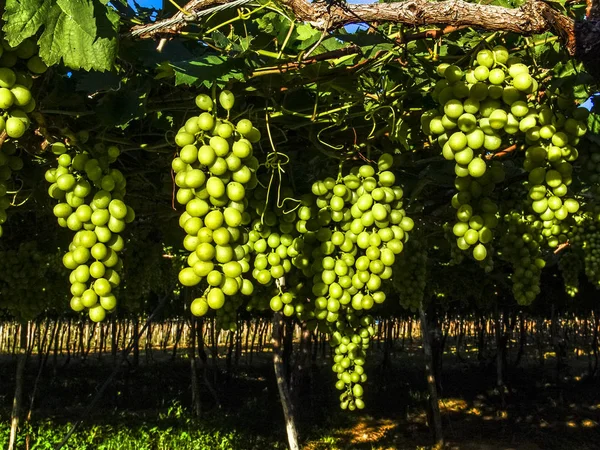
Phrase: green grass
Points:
(172, 430)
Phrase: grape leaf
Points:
(306, 32)
(79, 13)
(119, 108)
(23, 18)
(208, 69)
(81, 33)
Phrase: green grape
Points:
(520, 246)
(493, 118)
(91, 204)
(570, 265)
(356, 227)
(584, 238)
(412, 264)
(16, 102)
(213, 171)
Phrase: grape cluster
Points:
(590, 162)
(273, 237)
(412, 264)
(585, 237)
(551, 139)
(91, 203)
(17, 67)
(10, 162)
(520, 246)
(570, 265)
(214, 168)
(277, 244)
(481, 111)
(351, 339)
(360, 227)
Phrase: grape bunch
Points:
(520, 247)
(10, 163)
(570, 265)
(590, 163)
(18, 66)
(480, 114)
(412, 264)
(350, 340)
(552, 138)
(90, 198)
(277, 244)
(360, 227)
(585, 237)
(476, 213)
(214, 168)
(273, 236)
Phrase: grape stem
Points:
(504, 152)
(561, 247)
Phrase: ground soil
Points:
(539, 410)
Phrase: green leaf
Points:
(81, 33)
(118, 108)
(220, 40)
(270, 23)
(306, 32)
(208, 69)
(70, 40)
(23, 18)
(81, 14)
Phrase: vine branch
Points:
(533, 17)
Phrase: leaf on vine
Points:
(118, 108)
(306, 32)
(571, 77)
(242, 44)
(79, 13)
(594, 126)
(164, 71)
(220, 40)
(23, 18)
(81, 33)
(208, 69)
(400, 133)
(270, 23)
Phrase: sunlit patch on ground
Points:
(366, 431)
(453, 405)
(370, 430)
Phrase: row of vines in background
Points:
(518, 339)
(170, 339)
